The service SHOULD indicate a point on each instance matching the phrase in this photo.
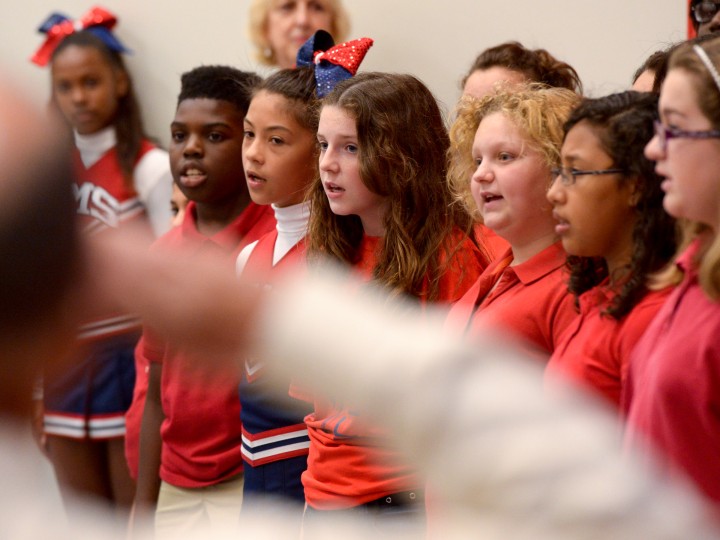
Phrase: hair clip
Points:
(57, 26)
(332, 63)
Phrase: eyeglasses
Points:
(705, 11)
(569, 176)
(664, 134)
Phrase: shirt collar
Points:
(538, 266)
(292, 219)
(686, 260)
(226, 239)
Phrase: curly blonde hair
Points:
(258, 20)
(539, 111)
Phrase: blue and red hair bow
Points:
(57, 26)
(332, 63)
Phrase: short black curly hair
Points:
(223, 83)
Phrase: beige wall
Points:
(605, 40)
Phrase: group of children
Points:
(578, 200)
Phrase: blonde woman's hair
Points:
(258, 20)
(537, 110)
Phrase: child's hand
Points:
(140, 523)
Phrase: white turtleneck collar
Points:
(291, 227)
(92, 147)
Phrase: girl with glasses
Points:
(673, 389)
(608, 206)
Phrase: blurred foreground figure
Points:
(40, 273)
(502, 460)
(44, 282)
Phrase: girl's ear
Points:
(635, 194)
(122, 83)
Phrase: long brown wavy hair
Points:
(402, 144)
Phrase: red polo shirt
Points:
(673, 390)
(595, 349)
(202, 431)
(352, 461)
(529, 300)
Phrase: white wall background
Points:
(436, 40)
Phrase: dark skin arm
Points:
(148, 481)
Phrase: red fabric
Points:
(106, 203)
(690, 27)
(349, 54)
(105, 200)
(201, 432)
(529, 300)
(260, 262)
(673, 390)
(595, 350)
(350, 461)
(265, 413)
(464, 267)
(133, 416)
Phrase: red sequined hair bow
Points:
(332, 63)
(57, 26)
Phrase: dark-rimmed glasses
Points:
(705, 11)
(569, 176)
(665, 133)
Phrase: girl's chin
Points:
(671, 206)
(495, 225)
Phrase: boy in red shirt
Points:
(190, 463)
